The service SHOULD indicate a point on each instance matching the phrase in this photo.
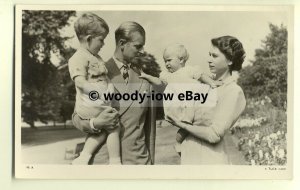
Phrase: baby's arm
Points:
(158, 84)
(206, 79)
(151, 79)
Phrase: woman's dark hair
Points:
(233, 50)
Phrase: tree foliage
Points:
(147, 63)
(41, 85)
(267, 76)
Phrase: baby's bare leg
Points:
(113, 146)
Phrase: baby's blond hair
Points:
(179, 50)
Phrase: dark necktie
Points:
(125, 74)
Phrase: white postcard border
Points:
(156, 171)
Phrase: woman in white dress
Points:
(205, 144)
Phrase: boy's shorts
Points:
(82, 124)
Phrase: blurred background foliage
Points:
(47, 92)
(267, 76)
(262, 128)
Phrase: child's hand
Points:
(216, 84)
(143, 75)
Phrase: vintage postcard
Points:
(153, 92)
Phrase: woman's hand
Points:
(174, 121)
(217, 84)
(204, 133)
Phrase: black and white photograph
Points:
(154, 92)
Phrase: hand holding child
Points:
(107, 119)
(216, 84)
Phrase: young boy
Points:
(88, 71)
(178, 79)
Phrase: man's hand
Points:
(107, 119)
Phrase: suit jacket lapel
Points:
(115, 76)
(134, 83)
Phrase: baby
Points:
(178, 79)
(89, 73)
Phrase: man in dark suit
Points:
(137, 119)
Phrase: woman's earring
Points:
(230, 63)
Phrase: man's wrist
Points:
(93, 127)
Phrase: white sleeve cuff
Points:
(93, 127)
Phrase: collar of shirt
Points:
(119, 63)
(228, 80)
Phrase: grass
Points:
(47, 135)
(47, 145)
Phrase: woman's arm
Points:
(202, 132)
(229, 108)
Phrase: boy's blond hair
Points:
(179, 50)
(90, 24)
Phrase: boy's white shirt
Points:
(84, 106)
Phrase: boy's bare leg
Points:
(113, 146)
(93, 142)
(91, 145)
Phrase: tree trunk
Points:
(32, 125)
